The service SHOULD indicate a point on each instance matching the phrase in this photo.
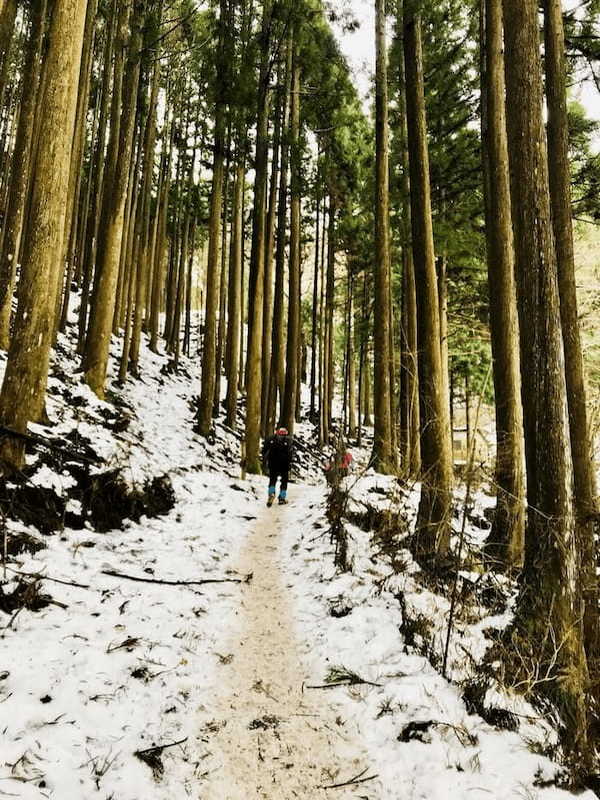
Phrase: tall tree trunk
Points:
(435, 507)
(241, 375)
(187, 332)
(506, 538)
(130, 266)
(276, 375)
(24, 385)
(350, 359)
(8, 16)
(442, 282)
(127, 244)
(181, 286)
(315, 306)
(234, 312)
(549, 608)
(222, 324)
(111, 227)
(470, 434)
(409, 411)
(171, 287)
(367, 418)
(293, 329)
(209, 375)
(75, 177)
(144, 264)
(586, 508)
(329, 360)
(19, 176)
(384, 457)
(98, 166)
(322, 334)
(160, 232)
(268, 299)
(257, 259)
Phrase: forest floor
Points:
(289, 677)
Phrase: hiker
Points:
(277, 459)
(338, 466)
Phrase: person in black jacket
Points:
(277, 459)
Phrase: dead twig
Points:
(152, 756)
(341, 676)
(160, 747)
(333, 684)
(353, 781)
(13, 618)
(42, 576)
(140, 579)
(129, 644)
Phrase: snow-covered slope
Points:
(222, 674)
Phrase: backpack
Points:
(280, 449)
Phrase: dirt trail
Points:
(270, 739)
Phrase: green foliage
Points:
(585, 163)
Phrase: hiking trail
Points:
(271, 737)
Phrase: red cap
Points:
(281, 431)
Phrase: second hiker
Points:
(277, 459)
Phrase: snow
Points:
(464, 756)
(223, 671)
(47, 478)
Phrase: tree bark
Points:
(209, 376)
(329, 354)
(315, 303)
(23, 389)
(549, 608)
(8, 16)
(384, 459)
(257, 259)
(110, 233)
(222, 323)
(144, 264)
(293, 329)
(276, 375)
(268, 299)
(435, 507)
(351, 370)
(75, 177)
(20, 174)
(97, 174)
(586, 507)
(505, 541)
(234, 298)
(160, 231)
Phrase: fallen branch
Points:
(41, 441)
(353, 781)
(13, 618)
(41, 576)
(129, 643)
(342, 676)
(57, 603)
(343, 683)
(152, 757)
(140, 579)
(160, 747)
